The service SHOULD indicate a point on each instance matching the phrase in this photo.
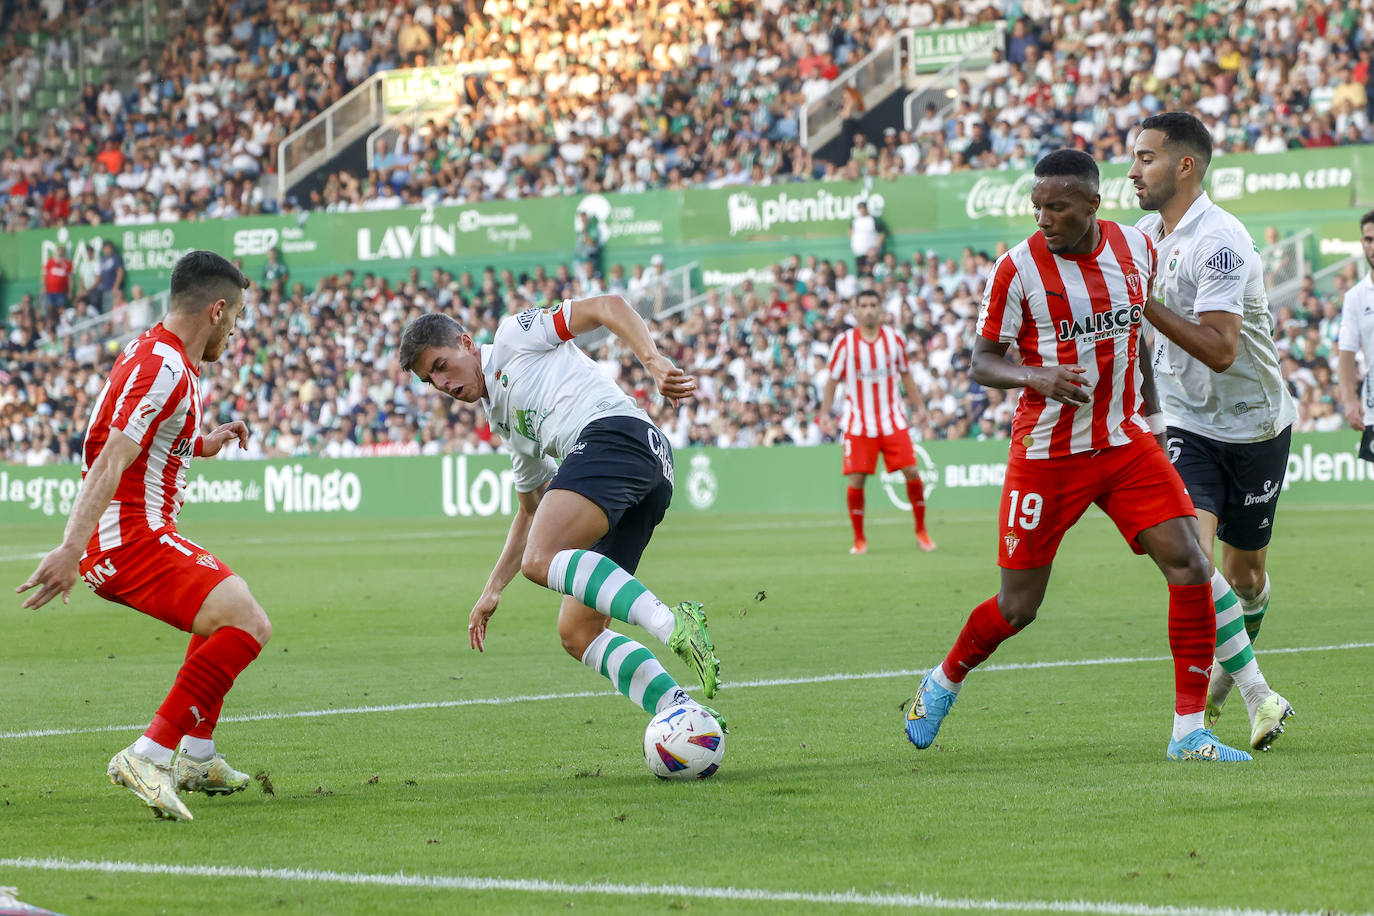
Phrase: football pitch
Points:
(408, 773)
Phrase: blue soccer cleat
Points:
(1201, 744)
(926, 711)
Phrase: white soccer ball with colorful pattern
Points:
(684, 742)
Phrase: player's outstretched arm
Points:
(506, 568)
(57, 572)
(617, 315)
(1059, 383)
(1350, 387)
(1212, 339)
(221, 436)
(914, 397)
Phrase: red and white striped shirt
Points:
(153, 397)
(870, 370)
(1064, 310)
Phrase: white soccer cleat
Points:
(155, 785)
(213, 777)
(1268, 722)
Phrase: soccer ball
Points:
(684, 742)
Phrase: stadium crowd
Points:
(569, 97)
(312, 371)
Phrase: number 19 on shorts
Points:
(1023, 510)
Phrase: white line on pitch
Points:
(920, 901)
(581, 694)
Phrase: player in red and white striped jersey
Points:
(122, 537)
(1070, 299)
(871, 361)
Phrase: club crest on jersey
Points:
(209, 562)
(1224, 261)
(1010, 540)
(1133, 286)
(1101, 325)
(526, 318)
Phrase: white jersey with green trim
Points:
(542, 391)
(1210, 263)
(1357, 335)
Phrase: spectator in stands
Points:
(57, 282)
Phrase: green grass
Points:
(1047, 783)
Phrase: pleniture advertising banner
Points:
(1322, 468)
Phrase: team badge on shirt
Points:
(526, 318)
(204, 559)
(1010, 540)
(1224, 261)
(1133, 285)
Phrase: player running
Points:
(871, 359)
(122, 535)
(1070, 299)
(583, 523)
(1228, 410)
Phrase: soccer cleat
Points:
(1218, 689)
(213, 777)
(859, 547)
(1268, 722)
(156, 785)
(926, 710)
(691, 643)
(923, 539)
(1201, 744)
(683, 698)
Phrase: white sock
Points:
(147, 747)
(1253, 687)
(937, 674)
(198, 748)
(1185, 725)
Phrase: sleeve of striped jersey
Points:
(150, 388)
(837, 361)
(1221, 266)
(999, 318)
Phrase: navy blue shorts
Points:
(625, 466)
(1238, 482)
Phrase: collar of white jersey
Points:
(487, 352)
(1195, 212)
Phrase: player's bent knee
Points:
(577, 634)
(534, 565)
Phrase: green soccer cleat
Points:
(1268, 723)
(213, 777)
(1218, 689)
(691, 643)
(155, 785)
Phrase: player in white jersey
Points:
(1228, 409)
(582, 523)
(871, 360)
(1357, 337)
(122, 537)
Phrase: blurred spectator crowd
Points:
(625, 95)
(313, 372)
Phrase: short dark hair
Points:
(1185, 133)
(868, 291)
(1070, 163)
(1367, 219)
(434, 329)
(200, 277)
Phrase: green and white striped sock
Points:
(599, 582)
(1254, 609)
(1234, 652)
(633, 670)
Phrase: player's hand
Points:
(211, 444)
(672, 382)
(477, 620)
(1354, 413)
(55, 575)
(1061, 383)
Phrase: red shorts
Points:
(861, 452)
(163, 574)
(1042, 499)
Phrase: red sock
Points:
(985, 631)
(209, 717)
(1192, 640)
(201, 684)
(856, 512)
(916, 495)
